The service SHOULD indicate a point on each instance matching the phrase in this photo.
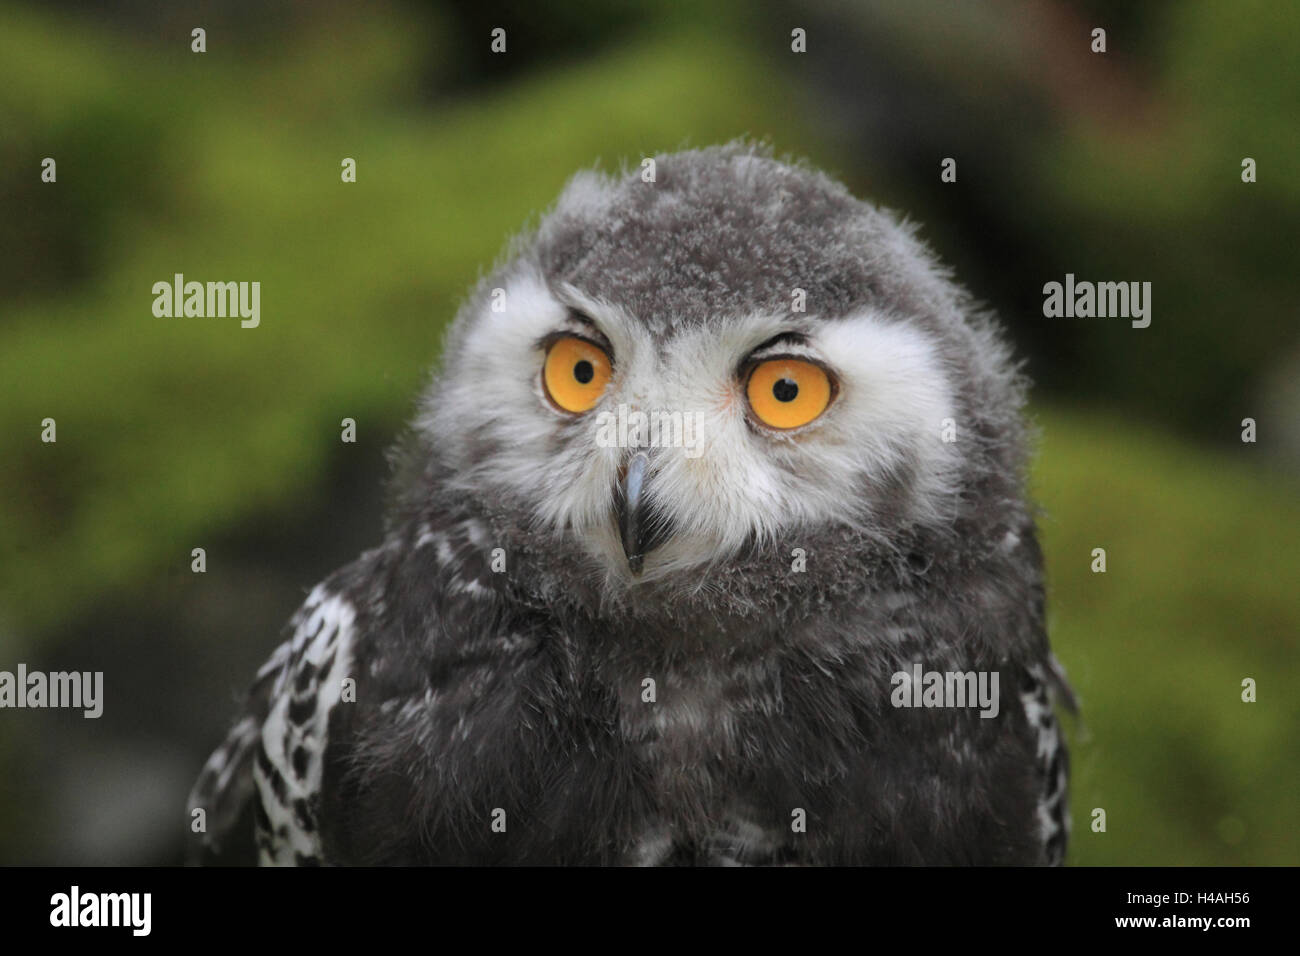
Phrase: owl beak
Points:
(633, 520)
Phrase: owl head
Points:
(691, 370)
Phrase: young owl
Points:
(710, 545)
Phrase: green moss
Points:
(1199, 593)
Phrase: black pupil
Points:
(583, 372)
(785, 390)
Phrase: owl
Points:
(709, 544)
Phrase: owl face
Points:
(663, 432)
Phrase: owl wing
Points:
(1044, 683)
(274, 753)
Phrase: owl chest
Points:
(681, 737)
(701, 747)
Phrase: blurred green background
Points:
(176, 434)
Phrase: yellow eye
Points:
(575, 374)
(787, 393)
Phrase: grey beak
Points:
(632, 517)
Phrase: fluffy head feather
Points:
(685, 277)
